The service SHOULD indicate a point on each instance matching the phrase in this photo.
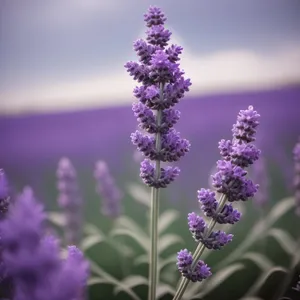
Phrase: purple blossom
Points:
(154, 16)
(69, 199)
(32, 259)
(163, 85)
(4, 193)
(108, 191)
(296, 153)
(184, 264)
(229, 180)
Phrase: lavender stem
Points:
(199, 250)
(155, 210)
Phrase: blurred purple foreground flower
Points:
(163, 85)
(69, 200)
(297, 176)
(33, 260)
(108, 191)
(230, 181)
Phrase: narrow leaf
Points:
(260, 260)
(217, 279)
(126, 222)
(262, 279)
(167, 241)
(139, 194)
(140, 239)
(99, 271)
(166, 219)
(167, 261)
(91, 241)
(164, 289)
(142, 259)
(131, 282)
(56, 218)
(97, 280)
(285, 240)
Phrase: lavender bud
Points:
(108, 190)
(4, 193)
(69, 199)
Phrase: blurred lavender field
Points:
(33, 144)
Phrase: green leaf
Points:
(285, 240)
(260, 260)
(166, 219)
(128, 223)
(110, 279)
(90, 241)
(167, 261)
(139, 194)
(140, 239)
(131, 282)
(259, 230)
(142, 259)
(167, 241)
(97, 280)
(164, 289)
(91, 229)
(215, 280)
(56, 218)
(262, 279)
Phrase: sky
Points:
(66, 54)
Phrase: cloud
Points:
(231, 70)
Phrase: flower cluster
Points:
(297, 176)
(4, 193)
(69, 199)
(184, 264)
(33, 260)
(108, 191)
(230, 180)
(163, 85)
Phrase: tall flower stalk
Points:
(107, 190)
(231, 183)
(162, 86)
(69, 200)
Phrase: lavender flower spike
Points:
(297, 176)
(4, 193)
(162, 86)
(230, 180)
(33, 259)
(69, 200)
(107, 189)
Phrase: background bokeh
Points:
(64, 92)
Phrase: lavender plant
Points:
(107, 190)
(296, 153)
(162, 86)
(231, 182)
(69, 200)
(32, 259)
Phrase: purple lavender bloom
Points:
(32, 259)
(108, 190)
(230, 180)
(163, 85)
(69, 200)
(296, 153)
(184, 264)
(4, 193)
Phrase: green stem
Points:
(155, 211)
(199, 250)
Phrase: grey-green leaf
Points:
(90, 241)
(164, 289)
(166, 219)
(260, 260)
(131, 282)
(167, 241)
(56, 218)
(139, 194)
(285, 240)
